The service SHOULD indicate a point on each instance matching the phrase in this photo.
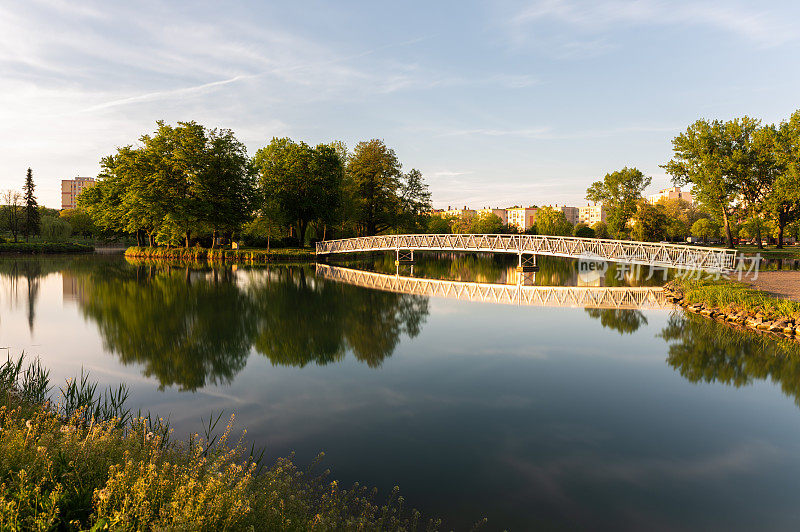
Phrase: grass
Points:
(735, 296)
(788, 252)
(44, 247)
(84, 462)
(233, 255)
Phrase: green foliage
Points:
(705, 228)
(439, 224)
(650, 223)
(64, 472)
(486, 223)
(377, 177)
(179, 180)
(600, 230)
(619, 192)
(80, 222)
(302, 183)
(55, 229)
(582, 230)
(550, 221)
(197, 254)
(11, 215)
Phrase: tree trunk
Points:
(728, 234)
(213, 239)
(188, 238)
(301, 233)
(758, 233)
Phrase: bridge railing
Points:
(519, 294)
(645, 253)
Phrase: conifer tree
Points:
(31, 225)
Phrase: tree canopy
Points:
(619, 192)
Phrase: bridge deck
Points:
(551, 296)
(646, 253)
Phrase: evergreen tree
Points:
(31, 225)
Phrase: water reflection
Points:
(702, 350)
(193, 327)
(624, 321)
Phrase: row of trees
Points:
(741, 170)
(185, 181)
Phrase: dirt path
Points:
(780, 283)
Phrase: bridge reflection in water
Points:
(519, 294)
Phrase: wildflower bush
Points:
(84, 462)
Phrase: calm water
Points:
(530, 416)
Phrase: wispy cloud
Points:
(759, 25)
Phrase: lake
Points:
(531, 415)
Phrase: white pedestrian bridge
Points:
(515, 294)
(528, 246)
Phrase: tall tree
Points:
(301, 182)
(650, 222)
(717, 159)
(782, 203)
(376, 173)
(619, 192)
(415, 201)
(31, 223)
(550, 221)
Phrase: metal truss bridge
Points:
(519, 294)
(645, 253)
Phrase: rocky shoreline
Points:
(786, 328)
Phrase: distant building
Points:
(573, 214)
(500, 213)
(70, 188)
(591, 214)
(521, 217)
(460, 213)
(670, 193)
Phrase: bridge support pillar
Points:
(527, 264)
(404, 256)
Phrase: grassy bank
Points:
(35, 248)
(733, 296)
(771, 252)
(229, 255)
(84, 462)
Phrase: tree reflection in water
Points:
(191, 327)
(624, 321)
(702, 350)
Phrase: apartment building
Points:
(591, 214)
(670, 193)
(573, 214)
(500, 213)
(521, 217)
(70, 188)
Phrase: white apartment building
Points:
(521, 217)
(71, 188)
(591, 214)
(500, 213)
(670, 193)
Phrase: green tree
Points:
(301, 183)
(619, 192)
(80, 221)
(705, 228)
(376, 174)
(30, 225)
(600, 230)
(12, 212)
(415, 201)
(439, 224)
(721, 162)
(486, 223)
(550, 221)
(782, 202)
(55, 229)
(650, 223)
(582, 230)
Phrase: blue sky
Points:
(496, 102)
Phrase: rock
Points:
(764, 325)
(790, 330)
